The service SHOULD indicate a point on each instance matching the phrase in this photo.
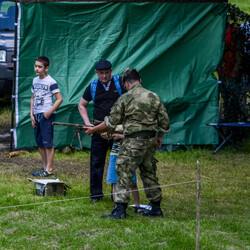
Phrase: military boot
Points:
(155, 211)
(118, 213)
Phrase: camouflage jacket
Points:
(138, 110)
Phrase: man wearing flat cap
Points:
(103, 91)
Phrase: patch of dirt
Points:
(28, 164)
(23, 164)
(66, 169)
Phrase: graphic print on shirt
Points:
(43, 90)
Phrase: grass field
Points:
(76, 224)
(244, 5)
(5, 117)
(28, 221)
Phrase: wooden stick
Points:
(198, 205)
(78, 126)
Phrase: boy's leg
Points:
(50, 159)
(113, 191)
(44, 156)
(39, 139)
(39, 142)
(111, 173)
(135, 194)
(47, 131)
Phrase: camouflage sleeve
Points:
(163, 120)
(108, 124)
(116, 115)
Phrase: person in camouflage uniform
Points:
(142, 115)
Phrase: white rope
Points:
(87, 197)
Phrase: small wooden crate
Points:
(49, 187)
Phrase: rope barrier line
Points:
(87, 197)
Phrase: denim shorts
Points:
(44, 130)
(111, 174)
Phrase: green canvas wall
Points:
(176, 47)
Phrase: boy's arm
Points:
(55, 106)
(31, 111)
(82, 107)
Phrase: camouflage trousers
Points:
(135, 154)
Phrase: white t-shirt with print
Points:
(43, 90)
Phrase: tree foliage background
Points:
(234, 69)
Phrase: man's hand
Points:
(117, 137)
(89, 130)
(159, 142)
(89, 124)
(106, 136)
(159, 139)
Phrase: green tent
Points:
(175, 46)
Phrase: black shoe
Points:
(118, 213)
(107, 216)
(95, 200)
(154, 212)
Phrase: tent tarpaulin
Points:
(176, 47)
(155, 1)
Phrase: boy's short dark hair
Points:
(44, 60)
(130, 75)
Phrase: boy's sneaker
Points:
(46, 174)
(42, 173)
(38, 172)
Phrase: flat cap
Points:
(103, 64)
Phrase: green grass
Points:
(244, 5)
(76, 224)
(5, 116)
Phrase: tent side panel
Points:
(176, 47)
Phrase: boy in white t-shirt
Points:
(42, 113)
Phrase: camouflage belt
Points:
(142, 135)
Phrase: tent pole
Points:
(13, 96)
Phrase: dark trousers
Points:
(99, 148)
